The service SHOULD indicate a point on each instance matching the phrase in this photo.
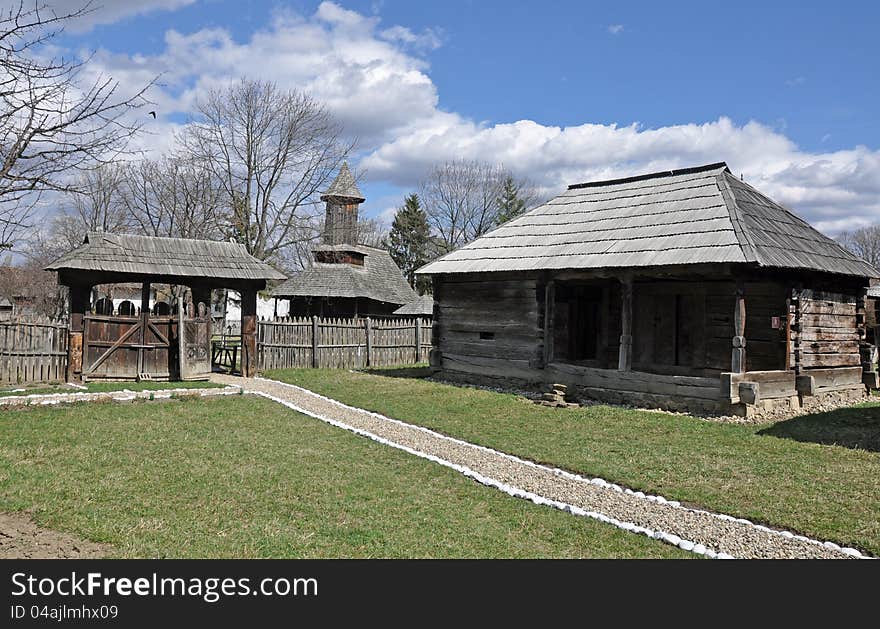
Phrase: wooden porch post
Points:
(624, 362)
(248, 332)
(738, 354)
(79, 304)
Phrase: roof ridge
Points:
(663, 173)
(746, 243)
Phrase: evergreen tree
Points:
(510, 203)
(409, 241)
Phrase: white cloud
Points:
(364, 75)
(429, 39)
(835, 191)
(110, 11)
(796, 81)
(374, 80)
(615, 29)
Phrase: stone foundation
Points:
(798, 404)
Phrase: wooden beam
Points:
(142, 333)
(624, 362)
(738, 354)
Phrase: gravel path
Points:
(710, 534)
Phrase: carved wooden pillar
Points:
(79, 305)
(248, 333)
(738, 354)
(624, 362)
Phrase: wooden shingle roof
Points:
(171, 257)
(344, 186)
(379, 278)
(688, 216)
(423, 306)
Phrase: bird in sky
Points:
(153, 114)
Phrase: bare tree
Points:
(55, 121)
(372, 233)
(864, 242)
(461, 200)
(95, 205)
(272, 151)
(27, 280)
(171, 196)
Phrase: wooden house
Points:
(345, 279)
(686, 289)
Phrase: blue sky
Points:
(557, 91)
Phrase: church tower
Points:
(343, 199)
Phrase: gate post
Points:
(79, 303)
(418, 321)
(249, 332)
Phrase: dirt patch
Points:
(21, 538)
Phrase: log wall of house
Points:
(507, 327)
(489, 327)
(827, 329)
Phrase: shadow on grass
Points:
(855, 427)
(400, 372)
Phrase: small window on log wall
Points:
(487, 336)
(577, 322)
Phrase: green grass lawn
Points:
(145, 385)
(246, 477)
(819, 474)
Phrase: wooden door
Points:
(195, 341)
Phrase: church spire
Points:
(343, 199)
(344, 186)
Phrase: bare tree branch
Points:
(461, 200)
(272, 152)
(55, 121)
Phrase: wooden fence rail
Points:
(293, 342)
(32, 351)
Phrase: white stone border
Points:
(123, 395)
(520, 493)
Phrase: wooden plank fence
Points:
(297, 342)
(32, 351)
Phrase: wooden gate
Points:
(127, 348)
(195, 341)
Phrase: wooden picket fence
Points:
(32, 350)
(292, 342)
